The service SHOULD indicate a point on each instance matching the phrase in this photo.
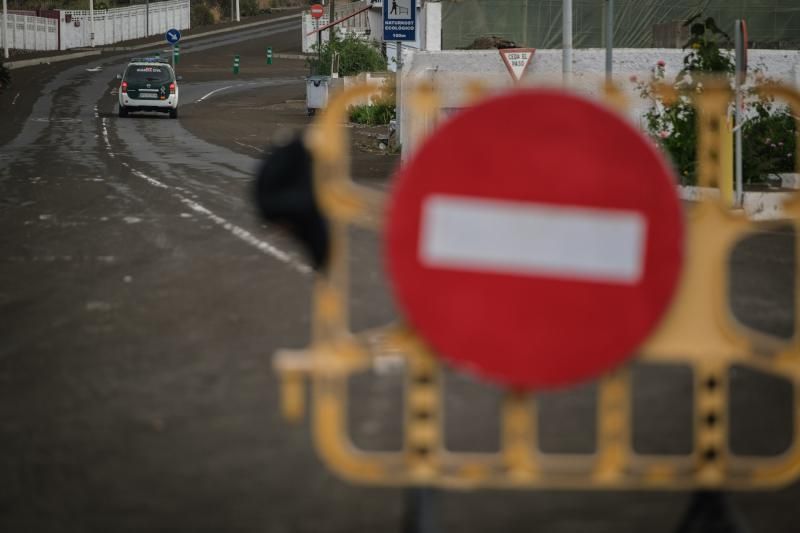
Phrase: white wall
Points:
(30, 33)
(452, 70)
(124, 23)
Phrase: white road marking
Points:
(543, 240)
(105, 138)
(14, 101)
(257, 149)
(236, 231)
(212, 92)
(63, 120)
(248, 237)
(154, 182)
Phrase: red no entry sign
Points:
(317, 10)
(535, 239)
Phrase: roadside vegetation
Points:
(378, 114)
(769, 134)
(355, 56)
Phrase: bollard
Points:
(236, 64)
(176, 54)
(269, 55)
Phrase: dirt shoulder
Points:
(250, 121)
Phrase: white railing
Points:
(73, 29)
(123, 24)
(30, 33)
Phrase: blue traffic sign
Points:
(399, 20)
(173, 36)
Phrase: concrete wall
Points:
(30, 32)
(122, 24)
(452, 70)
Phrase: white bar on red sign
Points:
(532, 239)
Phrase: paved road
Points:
(141, 300)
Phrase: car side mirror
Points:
(119, 76)
(180, 78)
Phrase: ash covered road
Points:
(141, 300)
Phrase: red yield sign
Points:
(535, 239)
(317, 10)
(517, 60)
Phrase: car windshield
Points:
(142, 73)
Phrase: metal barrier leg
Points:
(421, 511)
(711, 512)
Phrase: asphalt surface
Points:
(141, 300)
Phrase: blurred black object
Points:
(285, 196)
(711, 512)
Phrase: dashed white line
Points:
(248, 237)
(235, 230)
(152, 181)
(105, 138)
(212, 92)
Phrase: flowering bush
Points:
(769, 140)
(768, 135)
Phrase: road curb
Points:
(290, 56)
(66, 57)
(50, 59)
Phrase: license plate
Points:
(148, 95)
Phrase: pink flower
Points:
(661, 63)
(634, 79)
(663, 134)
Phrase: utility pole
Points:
(566, 36)
(5, 29)
(609, 40)
(147, 18)
(740, 45)
(238, 18)
(91, 23)
(332, 18)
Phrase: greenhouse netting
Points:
(637, 23)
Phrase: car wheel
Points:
(173, 113)
(123, 111)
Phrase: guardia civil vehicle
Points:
(149, 84)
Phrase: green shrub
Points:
(373, 115)
(201, 15)
(768, 134)
(355, 56)
(768, 142)
(248, 8)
